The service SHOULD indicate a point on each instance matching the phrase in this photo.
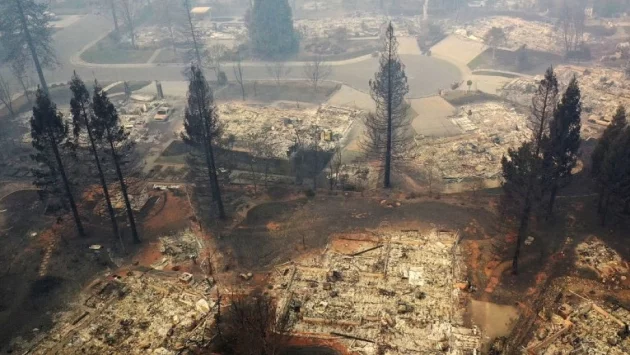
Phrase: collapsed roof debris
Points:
(142, 312)
(282, 126)
(535, 35)
(395, 291)
(579, 325)
(489, 128)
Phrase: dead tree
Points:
(238, 74)
(6, 96)
(129, 12)
(317, 71)
(278, 70)
(523, 168)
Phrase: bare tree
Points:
(215, 57)
(112, 5)
(6, 96)
(172, 17)
(317, 71)
(278, 70)
(432, 173)
(129, 11)
(18, 68)
(494, 38)
(571, 22)
(334, 167)
(238, 74)
(251, 325)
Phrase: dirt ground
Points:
(45, 265)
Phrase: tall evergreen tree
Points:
(107, 127)
(82, 117)
(387, 135)
(614, 176)
(524, 176)
(616, 126)
(564, 141)
(202, 128)
(271, 29)
(50, 138)
(26, 35)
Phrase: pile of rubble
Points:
(489, 128)
(607, 263)
(180, 247)
(141, 312)
(355, 26)
(283, 127)
(392, 291)
(580, 326)
(535, 35)
(602, 89)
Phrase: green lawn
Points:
(108, 51)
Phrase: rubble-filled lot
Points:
(395, 291)
(595, 255)
(140, 312)
(490, 128)
(602, 90)
(535, 35)
(282, 127)
(578, 325)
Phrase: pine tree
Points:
(614, 176)
(564, 141)
(202, 129)
(107, 127)
(271, 29)
(82, 117)
(50, 137)
(387, 135)
(616, 126)
(524, 175)
(26, 35)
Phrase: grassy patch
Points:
(109, 51)
(537, 61)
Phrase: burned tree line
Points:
(94, 124)
(534, 172)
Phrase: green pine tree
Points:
(614, 176)
(202, 130)
(616, 126)
(82, 117)
(107, 128)
(271, 29)
(564, 141)
(50, 140)
(387, 129)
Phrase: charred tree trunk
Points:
(388, 150)
(123, 189)
(66, 185)
(101, 175)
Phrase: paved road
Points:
(426, 75)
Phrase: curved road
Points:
(426, 75)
